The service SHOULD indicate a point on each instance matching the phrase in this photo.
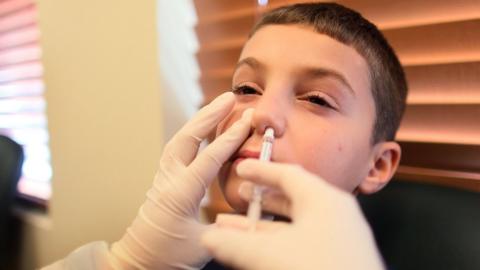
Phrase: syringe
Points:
(255, 205)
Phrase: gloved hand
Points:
(166, 232)
(328, 230)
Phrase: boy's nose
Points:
(270, 111)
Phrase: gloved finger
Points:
(233, 221)
(298, 185)
(207, 164)
(184, 145)
(273, 201)
(234, 248)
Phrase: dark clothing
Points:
(214, 265)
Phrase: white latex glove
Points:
(166, 232)
(328, 230)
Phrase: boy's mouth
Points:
(244, 154)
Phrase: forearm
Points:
(155, 241)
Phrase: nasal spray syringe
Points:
(255, 206)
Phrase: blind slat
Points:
(19, 55)
(442, 177)
(208, 8)
(218, 60)
(20, 72)
(24, 120)
(26, 136)
(459, 157)
(212, 88)
(22, 104)
(24, 36)
(441, 123)
(18, 19)
(7, 7)
(234, 28)
(437, 44)
(34, 189)
(21, 88)
(457, 83)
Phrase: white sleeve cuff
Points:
(92, 256)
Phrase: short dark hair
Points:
(388, 83)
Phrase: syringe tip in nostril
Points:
(269, 134)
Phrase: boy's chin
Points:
(229, 184)
(230, 192)
(239, 205)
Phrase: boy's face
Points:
(315, 92)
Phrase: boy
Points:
(334, 92)
(331, 87)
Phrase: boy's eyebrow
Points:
(250, 61)
(324, 72)
(310, 72)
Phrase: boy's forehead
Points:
(295, 47)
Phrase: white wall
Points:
(104, 118)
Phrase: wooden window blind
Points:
(21, 95)
(438, 43)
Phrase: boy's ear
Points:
(384, 162)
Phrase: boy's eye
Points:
(245, 90)
(318, 100)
